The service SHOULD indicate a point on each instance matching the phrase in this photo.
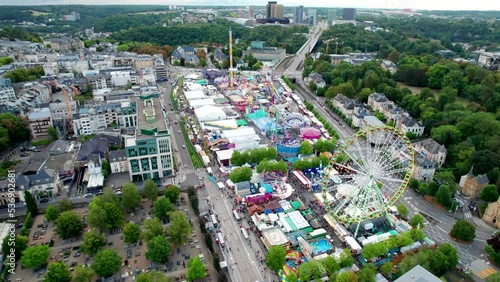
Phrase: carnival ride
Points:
(375, 167)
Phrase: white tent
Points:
(209, 113)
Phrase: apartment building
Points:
(91, 119)
(148, 150)
(39, 121)
(6, 91)
(143, 61)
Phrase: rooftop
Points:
(150, 116)
(418, 274)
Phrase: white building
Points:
(39, 122)
(34, 93)
(432, 150)
(123, 78)
(410, 124)
(147, 76)
(96, 118)
(43, 181)
(118, 161)
(59, 111)
(93, 176)
(6, 91)
(51, 68)
(243, 138)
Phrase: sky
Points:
(381, 4)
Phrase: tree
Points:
(463, 230)
(153, 276)
(131, 199)
(106, 165)
(97, 215)
(330, 264)
(443, 196)
(162, 208)
(450, 253)
(446, 135)
(51, 214)
(196, 269)
(35, 257)
(346, 259)
(106, 263)
(387, 268)
(489, 193)
(31, 205)
(292, 277)
(150, 190)
(20, 243)
(92, 243)
(131, 233)
(83, 274)
(172, 193)
(241, 174)
(152, 228)
(374, 250)
(322, 145)
(347, 276)
(114, 215)
(367, 273)
(69, 224)
(58, 272)
(179, 230)
(64, 205)
(53, 133)
(275, 258)
(495, 277)
(417, 220)
(305, 148)
(402, 210)
(158, 249)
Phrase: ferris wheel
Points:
(367, 174)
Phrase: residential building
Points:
(97, 145)
(424, 168)
(65, 44)
(91, 119)
(187, 53)
(349, 14)
(471, 185)
(51, 68)
(143, 61)
(59, 112)
(124, 78)
(100, 81)
(161, 72)
(6, 91)
(418, 274)
(410, 124)
(317, 78)
(118, 161)
(146, 76)
(122, 61)
(432, 150)
(376, 101)
(251, 12)
(219, 56)
(8, 192)
(74, 16)
(149, 149)
(299, 15)
(489, 60)
(390, 66)
(34, 94)
(39, 121)
(39, 182)
(492, 213)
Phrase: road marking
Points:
(438, 227)
(408, 198)
(480, 240)
(467, 215)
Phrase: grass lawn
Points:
(41, 142)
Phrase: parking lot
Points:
(133, 256)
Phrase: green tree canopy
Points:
(417, 220)
(367, 273)
(150, 190)
(131, 233)
(69, 224)
(158, 249)
(131, 199)
(35, 257)
(323, 145)
(20, 244)
(402, 210)
(51, 213)
(489, 193)
(92, 243)
(179, 229)
(275, 258)
(172, 192)
(196, 269)
(241, 174)
(97, 217)
(83, 274)
(64, 205)
(463, 230)
(152, 228)
(58, 272)
(162, 208)
(443, 196)
(30, 202)
(153, 276)
(305, 148)
(106, 263)
(114, 215)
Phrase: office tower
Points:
(349, 14)
(331, 16)
(299, 15)
(269, 9)
(251, 13)
(312, 16)
(278, 11)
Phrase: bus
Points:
(244, 232)
(236, 215)
(214, 220)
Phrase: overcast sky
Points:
(383, 4)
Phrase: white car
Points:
(88, 195)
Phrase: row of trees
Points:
(254, 156)
(13, 129)
(21, 74)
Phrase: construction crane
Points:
(327, 42)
